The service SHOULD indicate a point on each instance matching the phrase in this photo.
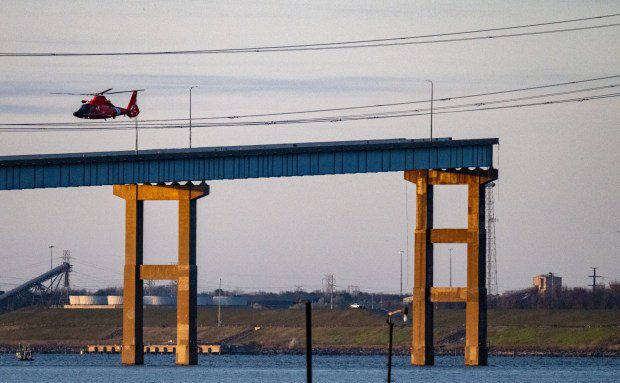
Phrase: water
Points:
(291, 368)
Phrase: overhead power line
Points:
(308, 111)
(353, 44)
(369, 115)
(333, 119)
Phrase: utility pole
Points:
(51, 264)
(401, 273)
(594, 276)
(331, 294)
(407, 263)
(450, 266)
(329, 289)
(190, 114)
(219, 305)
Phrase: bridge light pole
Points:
(404, 312)
(190, 114)
(432, 89)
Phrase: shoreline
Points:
(352, 351)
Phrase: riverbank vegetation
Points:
(548, 331)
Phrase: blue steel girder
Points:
(241, 162)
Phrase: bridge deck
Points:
(240, 162)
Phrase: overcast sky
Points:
(557, 207)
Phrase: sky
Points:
(556, 201)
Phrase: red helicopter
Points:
(99, 107)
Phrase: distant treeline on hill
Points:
(566, 298)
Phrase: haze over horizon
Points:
(557, 196)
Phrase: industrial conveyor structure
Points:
(56, 275)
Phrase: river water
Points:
(291, 368)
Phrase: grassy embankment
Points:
(346, 330)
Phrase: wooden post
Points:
(309, 342)
(389, 362)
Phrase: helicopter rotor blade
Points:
(76, 94)
(127, 91)
(105, 91)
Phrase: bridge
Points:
(168, 174)
(239, 162)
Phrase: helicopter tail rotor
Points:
(132, 107)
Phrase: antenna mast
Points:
(492, 288)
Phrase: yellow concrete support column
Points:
(422, 350)
(476, 311)
(186, 350)
(184, 272)
(133, 348)
(424, 294)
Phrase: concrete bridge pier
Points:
(474, 294)
(136, 272)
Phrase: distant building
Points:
(547, 283)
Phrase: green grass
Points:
(555, 337)
(508, 329)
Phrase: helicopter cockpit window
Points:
(84, 109)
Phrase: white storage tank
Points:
(115, 300)
(83, 300)
(74, 299)
(157, 300)
(93, 300)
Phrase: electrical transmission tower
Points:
(66, 258)
(329, 289)
(594, 276)
(354, 290)
(492, 288)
